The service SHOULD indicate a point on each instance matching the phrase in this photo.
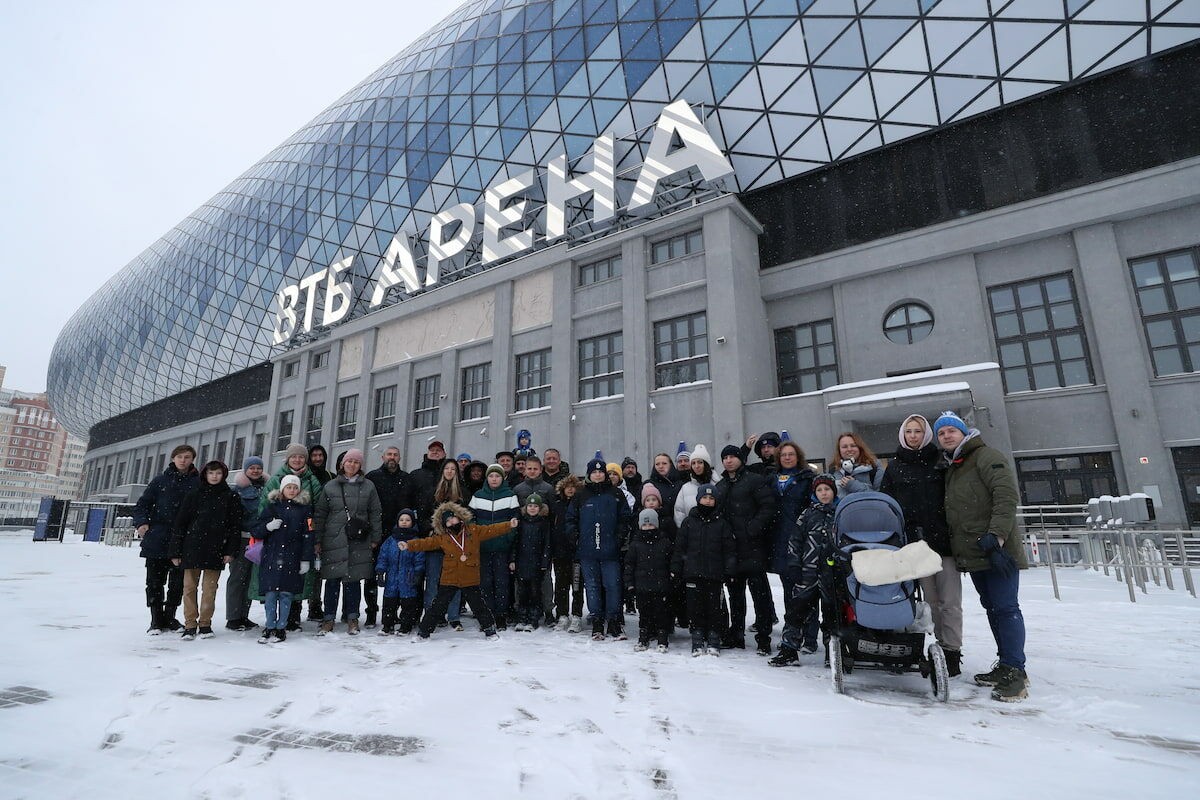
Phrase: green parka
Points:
(981, 497)
(308, 483)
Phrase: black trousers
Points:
(470, 595)
(764, 605)
(160, 573)
(409, 609)
(704, 611)
(679, 602)
(529, 600)
(656, 616)
(568, 583)
(798, 611)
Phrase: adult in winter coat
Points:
(632, 479)
(981, 509)
(495, 502)
(534, 482)
(748, 502)
(599, 519)
(916, 479)
(667, 481)
(318, 460)
(401, 573)
(459, 541)
(648, 576)
(392, 484)
(531, 560)
(423, 481)
(285, 527)
(248, 486)
(807, 545)
(205, 537)
(705, 555)
(793, 488)
(856, 468)
(568, 577)
(766, 447)
(153, 517)
(699, 472)
(554, 469)
(474, 477)
(347, 557)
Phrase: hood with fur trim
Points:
(462, 512)
(304, 498)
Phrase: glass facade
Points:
(499, 86)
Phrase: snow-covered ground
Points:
(110, 712)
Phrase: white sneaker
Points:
(575, 625)
(662, 648)
(562, 623)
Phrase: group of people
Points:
(524, 541)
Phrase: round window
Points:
(908, 323)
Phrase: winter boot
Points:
(733, 640)
(1012, 686)
(156, 621)
(641, 646)
(369, 624)
(315, 612)
(713, 650)
(575, 625)
(615, 630)
(991, 677)
(662, 647)
(953, 662)
(280, 635)
(188, 634)
(266, 636)
(326, 627)
(386, 630)
(352, 626)
(808, 648)
(598, 630)
(501, 622)
(457, 626)
(206, 632)
(764, 645)
(169, 621)
(786, 657)
(698, 648)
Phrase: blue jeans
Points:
(494, 581)
(606, 575)
(433, 573)
(998, 596)
(279, 605)
(350, 599)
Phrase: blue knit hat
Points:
(462, 456)
(953, 420)
(252, 461)
(707, 490)
(595, 464)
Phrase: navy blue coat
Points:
(159, 505)
(793, 488)
(403, 569)
(532, 553)
(285, 548)
(599, 519)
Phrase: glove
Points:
(275, 524)
(303, 567)
(381, 578)
(1000, 561)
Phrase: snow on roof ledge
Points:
(928, 390)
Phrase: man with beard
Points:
(765, 447)
(317, 459)
(633, 478)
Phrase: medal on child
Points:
(461, 544)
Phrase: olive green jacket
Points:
(981, 497)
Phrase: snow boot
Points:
(808, 648)
(326, 627)
(168, 619)
(386, 630)
(598, 630)
(369, 624)
(156, 621)
(1012, 686)
(953, 662)
(991, 677)
(764, 648)
(206, 632)
(352, 626)
(501, 622)
(315, 613)
(266, 636)
(713, 650)
(697, 650)
(733, 640)
(786, 657)
(642, 646)
(615, 631)
(188, 634)
(280, 635)
(662, 647)
(575, 625)
(457, 626)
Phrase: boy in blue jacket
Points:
(401, 574)
(599, 519)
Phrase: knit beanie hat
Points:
(953, 420)
(295, 449)
(355, 454)
(289, 480)
(496, 468)
(707, 490)
(701, 453)
(408, 512)
(612, 468)
(464, 456)
(628, 462)
(824, 479)
(593, 465)
(252, 461)
(649, 489)
(731, 450)
(648, 517)
(534, 499)
(770, 437)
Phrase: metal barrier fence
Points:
(1132, 557)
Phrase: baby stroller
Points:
(872, 627)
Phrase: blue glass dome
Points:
(785, 86)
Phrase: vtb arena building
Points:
(626, 223)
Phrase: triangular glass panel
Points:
(843, 133)
(1133, 49)
(908, 54)
(1183, 13)
(918, 109)
(756, 140)
(945, 36)
(788, 128)
(679, 74)
(977, 57)
(1015, 39)
(1032, 9)
(734, 123)
(870, 141)
(1162, 38)
(1018, 90)
(1091, 44)
(1048, 62)
(724, 77)
(765, 32)
(776, 80)
(812, 146)
(857, 102)
(846, 51)
(830, 83)
(790, 49)
(799, 98)
(880, 34)
(892, 87)
(1113, 11)
(895, 133)
(988, 100)
(820, 33)
(977, 9)
(955, 93)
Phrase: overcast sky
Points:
(121, 117)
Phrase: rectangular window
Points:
(385, 411)
(260, 440)
(426, 401)
(602, 270)
(108, 476)
(805, 357)
(685, 244)
(601, 367)
(1039, 334)
(291, 368)
(320, 360)
(283, 431)
(681, 350)
(476, 391)
(347, 421)
(1168, 291)
(149, 470)
(314, 421)
(1065, 480)
(533, 380)
(136, 472)
(203, 455)
(239, 453)
(121, 473)
(221, 447)
(162, 463)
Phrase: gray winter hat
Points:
(648, 517)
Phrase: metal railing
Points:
(1133, 557)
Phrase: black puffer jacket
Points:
(159, 506)
(208, 527)
(532, 550)
(704, 546)
(916, 479)
(748, 501)
(811, 539)
(562, 545)
(421, 484)
(648, 562)
(393, 491)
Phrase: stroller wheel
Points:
(835, 664)
(939, 674)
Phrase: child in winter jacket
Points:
(648, 577)
(705, 555)
(531, 559)
(285, 528)
(401, 573)
(459, 540)
(568, 578)
(807, 545)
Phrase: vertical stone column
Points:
(636, 351)
(501, 403)
(562, 362)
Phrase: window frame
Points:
(609, 265)
(696, 362)
(1188, 353)
(347, 407)
(312, 432)
(907, 328)
(378, 420)
(319, 360)
(690, 243)
(1051, 333)
(614, 378)
(475, 392)
(541, 391)
(285, 424)
(422, 416)
(291, 368)
(818, 370)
